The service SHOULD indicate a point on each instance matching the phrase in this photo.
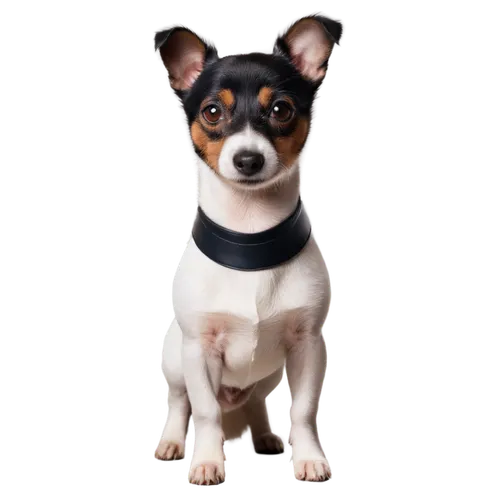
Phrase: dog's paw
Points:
(169, 450)
(268, 444)
(207, 474)
(312, 470)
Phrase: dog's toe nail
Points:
(312, 470)
(169, 450)
(210, 474)
(322, 470)
(207, 474)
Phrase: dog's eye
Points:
(212, 113)
(282, 111)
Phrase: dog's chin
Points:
(252, 184)
(249, 184)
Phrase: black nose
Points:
(248, 162)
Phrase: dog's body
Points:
(234, 331)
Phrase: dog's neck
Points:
(247, 211)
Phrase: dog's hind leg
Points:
(264, 441)
(234, 425)
(172, 442)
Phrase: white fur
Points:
(261, 321)
(248, 139)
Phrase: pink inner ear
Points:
(184, 59)
(192, 72)
(310, 47)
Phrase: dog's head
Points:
(249, 115)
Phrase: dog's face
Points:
(249, 115)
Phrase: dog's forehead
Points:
(250, 71)
(244, 73)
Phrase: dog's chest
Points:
(250, 318)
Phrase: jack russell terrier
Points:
(252, 291)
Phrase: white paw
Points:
(268, 444)
(312, 470)
(169, 450)
(207, 474)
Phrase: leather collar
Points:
(252, 251)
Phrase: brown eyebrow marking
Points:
(227, 98)
(264, 96)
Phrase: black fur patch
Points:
(245, 75)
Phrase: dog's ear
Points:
(184, 54)
(308, 44)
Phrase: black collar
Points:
(252, 251)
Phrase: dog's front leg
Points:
(305, 367)
(202, 373)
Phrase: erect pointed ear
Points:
(184, 54)
(308, 44)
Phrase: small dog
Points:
(252, 291)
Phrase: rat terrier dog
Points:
(251, 292)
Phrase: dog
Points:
(251, 292)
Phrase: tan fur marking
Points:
(227, 98)
(264, 96)
(199, 136)
(210, 149)
(288, 147)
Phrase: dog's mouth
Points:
(250, 181)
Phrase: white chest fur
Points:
(251, 318)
